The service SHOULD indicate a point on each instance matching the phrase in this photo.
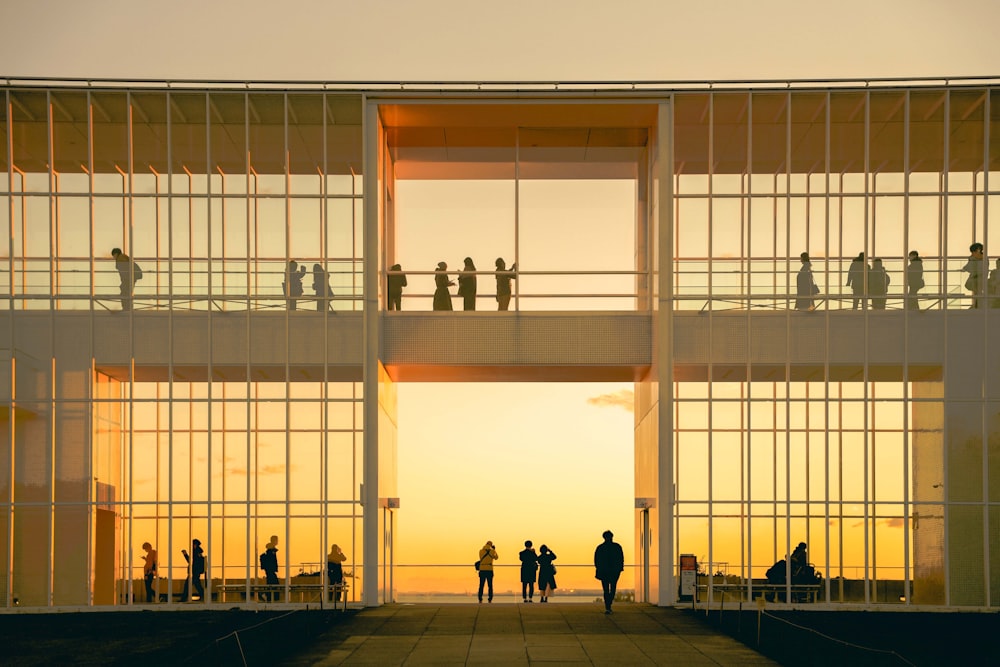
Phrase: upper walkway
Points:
(597, 346)
(521, 634)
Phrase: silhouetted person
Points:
(149, 570)
(976, 269)
(321, 286)
(609, 561)
(546, 572)
(878, 284)
(993, 285)
(269, 563)
(335, 570)
(856, 280)
(395, 282)
(487, 555)
(467, 285)
(529, 571)
(504, 277)
(293, 283)
(129, 274)
(442, 297)
(914, 280)
(805, 287)
(196, 561)
(799, 560)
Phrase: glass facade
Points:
(223, 380)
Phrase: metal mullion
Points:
(207, 591)
(987, 588)
(53, 408)
(170, 336)
(324, 390)
(826, 369)
(11, 402)
(288, 343)
(945, 505)
(866, 361)
(907, 402)
(746, 478)
(708, 276)
(788, 348)
(249, 570)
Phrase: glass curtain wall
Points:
(853, 467)
(212, 193)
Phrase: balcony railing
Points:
(699, 285)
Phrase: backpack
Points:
(263, 560)
(136, 272)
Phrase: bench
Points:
(297, 592)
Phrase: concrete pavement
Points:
(525, 634)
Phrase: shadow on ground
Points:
(152, 638)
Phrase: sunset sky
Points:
(505, 462)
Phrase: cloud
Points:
(624, 399)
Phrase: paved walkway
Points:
(525, 634)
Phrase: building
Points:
(211, 403)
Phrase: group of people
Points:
(468, 286)
(796, 569)
(196, 570)
(292, 287)
(872, 281)
(609, 562)
(268, 561)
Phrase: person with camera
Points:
(487, 555)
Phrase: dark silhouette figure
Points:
(993, 285)
(269, 563)
(914, 280)
(975, 268)
(609, 561)
(856, 280)
(335, 570)
(442, 297)
(395, 282)
(878, 284)
(798, 567)
(129, 274)
(293, 283)
(805, 287)
(529, 570)
(504, 277)
(149, 570)
(196, 561)
(487, 555)
(467, 285)
(321, 286)
(546, 572)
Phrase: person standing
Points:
(467, 285)
(993, 285)
(321, 286)
(975, 268)
(269, 563)
(149, 570)
(196, 561)
(503, 282)
(878, 284)
(856, 280)
(293, 283)
(805, 287)
(609, 562)
(546, 572)
(335, 570)
(442, 297)
(487, 555)
(395, 282)
(529, 571)
(914, 280)
(129, 274)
